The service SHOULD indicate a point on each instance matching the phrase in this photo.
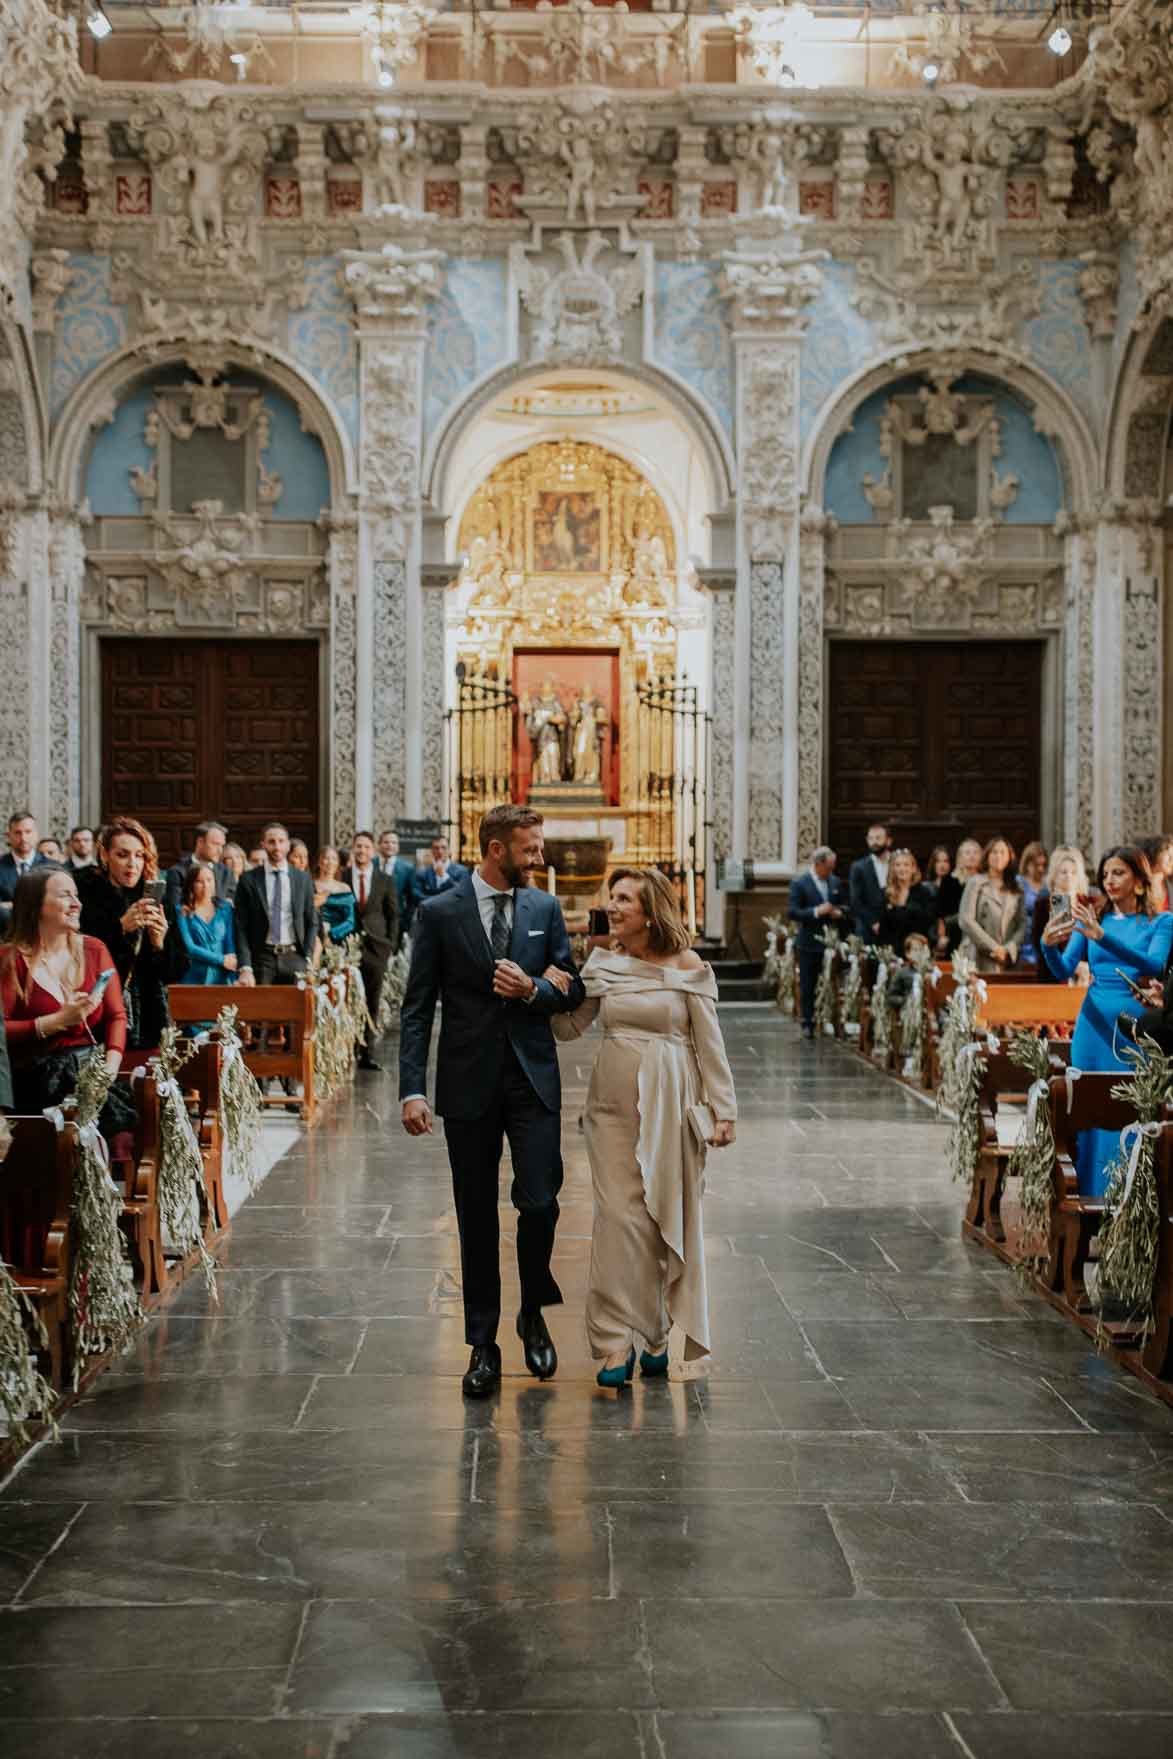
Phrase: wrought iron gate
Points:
(480, 756)
(671, 798)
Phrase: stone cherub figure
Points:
(580, 158)
(957, 179)
(204, 166)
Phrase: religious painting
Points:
(566, 531)
(567, 719)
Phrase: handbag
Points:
(702, 1123)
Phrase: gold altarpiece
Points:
(569, 552)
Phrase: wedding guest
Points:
(908, 905)
(945, 892)
(206, 928)
(20, 858)
(1066, 879)
(299, 854)
(866, 882)
(256, 856)
(236, 862)
(402, 872)
(333, 898)
(816, 902)
(1121, 933)
(276, 923)
(661, 1095)
(1159, 851)
(993, 910)
(439, 874)
(51, 850)
(208, 845)
(119, 907)
(80, 852)
(378, 926)
(1032, 870)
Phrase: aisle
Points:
(278, 1531)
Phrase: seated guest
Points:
(208, 846)
(1066, 878)
(276, 923)
(54, 1009)
(1032, 883)
(80, 850)
(945, 892)
(206, 931)
(402, 871)
(908, 906)
(119, 907)
(299, 855)
(816, 900)
(993, 910)
(333, 898)
(256, 856)
(234, 861)
(51, 849)
(22, 857)
(378, 922)
(866, 882)
(1160, 856)
(439, 874)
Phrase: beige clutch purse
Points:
(702, 1123)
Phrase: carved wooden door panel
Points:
(205, 729)
(939, 740)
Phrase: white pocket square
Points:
(535, 931)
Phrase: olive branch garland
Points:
(787, 967)
(180, 1177)
(103, 1301)
(826, 1010)
(24, 1391)
(394, 989)
(241, 1105)
(775, 928)
(1032, 1158)
(851, 992)
(1129, 1235)
(881, 1007)
(912, 1014)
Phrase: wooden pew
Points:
(1075, 1220)
(200, 1082)
(1007, 1007)
(1004, 1088)
(1157, 1354)
(36, 1194)
(261, 1005)
(140, 1193)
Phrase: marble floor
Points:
(909, 1515)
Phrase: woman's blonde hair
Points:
(666, 930)
(1067, 852)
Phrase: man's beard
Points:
(517, 876)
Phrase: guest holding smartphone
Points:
(1125, 943)
(122, 906)
(1066, 880)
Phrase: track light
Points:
(1059, 40)
(98, 24)
(930, 73)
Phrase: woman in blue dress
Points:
(1126, 933)
(333, 898)
(206, 928)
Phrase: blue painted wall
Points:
(1031, 456)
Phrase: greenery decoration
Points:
(826, 1013)
(1033, 1157)
(881, 1009)
(912, 1014)
(103, 1300)
(395, 987)
(1129, 1235)
(960, 1015)
(181, 1164)
(787, 970)
(775, 928)
(851, 990)
(24, 1391)
(241, 1104)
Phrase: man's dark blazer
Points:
(451, 962)
(805, 898)
(175, 876)
(251, 904)
(867, 897)
(379, 922)
(1155, 1022)
(424, 883)
(402, 871)
(9, 877)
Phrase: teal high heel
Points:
(617, 1377)
(653, 1367)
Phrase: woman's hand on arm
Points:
(559, 978)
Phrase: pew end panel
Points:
(1087, 1104)
(36, 1198)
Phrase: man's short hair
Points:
(366, 834)
(274, 824)
(77, 828)
(210, 824)
(500, 822)
(18, 818)
(822, 853)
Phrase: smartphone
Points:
(100, 986)
(156, 890)
(1060, 904)
(1137, 991)
(598, 922)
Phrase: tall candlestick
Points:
(551, 881)
(692, 906)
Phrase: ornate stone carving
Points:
(432, 703)
(773, 154)
(389, 697)
(342, 580)
(67, 561)
(1099, 287)
(391, 285)
(206, 154)
(914, 304)
(50, 274)
(722, 743)
(768, 710)
(949, 41)
(952, 159)
(579, 309)
(581, 160)
(1141, 699)
(772, 290)
(814, 528)
(581, 43)
(1132, 67)
(40, 75)
(943, 566)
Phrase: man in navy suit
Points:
(21, 858)
(480, 948)
(439, 874)
(816, 899)
(401, 872)
(866, 883)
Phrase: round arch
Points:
(1055, 414)
(92, 402)
(1142, 404)
(19, 381)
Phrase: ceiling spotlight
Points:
(930, 73)
(98, 24)
(384, 77)
(1059, 40)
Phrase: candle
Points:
(551, 881)
(692, 906)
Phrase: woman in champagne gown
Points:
(662, 1060)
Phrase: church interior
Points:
(740, 433)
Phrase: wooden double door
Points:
(939, 740)
(211, 729)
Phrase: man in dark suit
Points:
(210, 839)
(816, 899)
(377, 911)
(866, 883)
(21, 858)
(400, 870)
(439, 874)
(480, 948)
(275, 917)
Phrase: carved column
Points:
(434, 584)
(17, 552)
(390, 289)
(62, 721)
(342, 813)
(814, 528)
(722, 589)
(769, 293)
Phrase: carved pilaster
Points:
(311, 170)
(474, 172)
(342, 573)
(435, 584)
(722, 587)
(67, 566)
(814, 529)
(97, 168)
(852, 173)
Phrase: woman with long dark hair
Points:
(1119, 932)
(993, 910)
(118, 907)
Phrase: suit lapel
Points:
(522, 914)
(472, 928)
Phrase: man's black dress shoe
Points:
(541, 1358)
(367, 1061)
(483, 1375)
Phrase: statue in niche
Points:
(588, 723)
(957, 179)
(396, 145)
(204, 166)
(545, 722)
(580, 191)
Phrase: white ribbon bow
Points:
(170, 1089)
(981, 989)
(1036, 1093)
(974, 1049)
(1070, 1077)
(1134, 1133)
(934, 975)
